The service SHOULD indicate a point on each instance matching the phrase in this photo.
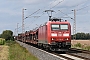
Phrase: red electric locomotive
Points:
(55, 35)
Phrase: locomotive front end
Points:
(60, 35)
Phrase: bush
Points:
(87, 48)
(84, 47)
(2, 41)
(78, 45)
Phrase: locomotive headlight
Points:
(53, 34)
(65, 34)
(53, 38)
(67, 39)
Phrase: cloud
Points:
(9, 12)
(54, 2)
(67, 3)
(31, 1)
(71, 2)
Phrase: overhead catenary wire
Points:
(50, 4)
(56, 4)
(42, 12)
(41, 9)
(80, 3)
(37, 11)
(83, 7)
(78, 9)
(65, 14)
(51, 8)
(45, 7)
(32, 13)
(75, 9)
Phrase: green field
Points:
(16, 52)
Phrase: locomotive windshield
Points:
(64, 27)
(59, 26)
(55, 27)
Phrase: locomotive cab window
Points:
(55, 26)
(64, 27)
(59, 26)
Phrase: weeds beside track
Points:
(16, 52)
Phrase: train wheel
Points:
(40, 45)
(52, 48)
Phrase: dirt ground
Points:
(4, 52)
(83, 42)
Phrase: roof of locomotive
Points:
(52, 21)
(57, 22)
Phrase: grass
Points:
(80, 46)
(16, 52)
(4, 52)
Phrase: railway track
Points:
(84, 54)
(73, 54)
(66, 56)
(69, 56)
(80, 50)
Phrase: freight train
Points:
(54, 35)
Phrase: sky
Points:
(11, 13)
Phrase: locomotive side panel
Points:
(42, 35)
(48, 32)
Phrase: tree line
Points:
(7, 35)
(83, 36)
